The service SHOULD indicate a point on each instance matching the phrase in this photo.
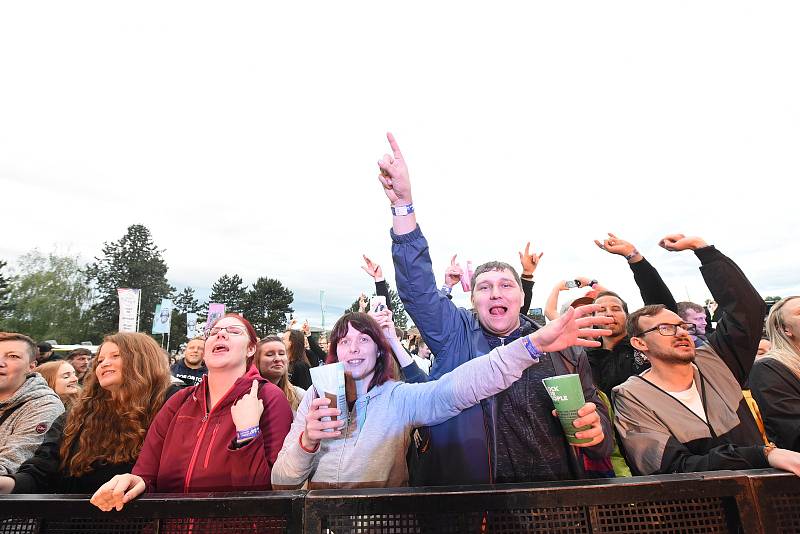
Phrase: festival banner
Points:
(128, 308)
(215, 311)
(191, 326)
(163, 317)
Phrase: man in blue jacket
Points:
(513, 436)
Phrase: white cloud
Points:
(245, 136)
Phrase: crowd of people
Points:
(672, 387)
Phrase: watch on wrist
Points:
(632, 255)
(768, 449)
(447, 289)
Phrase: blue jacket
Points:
(463, 450)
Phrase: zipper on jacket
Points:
(210, 446)
(201, 434)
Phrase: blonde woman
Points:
(272, 361)
(775, 378)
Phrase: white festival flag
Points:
(128, 308)
(163, 317)
(191, 326)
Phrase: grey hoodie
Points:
(371, 451)
(32, 409)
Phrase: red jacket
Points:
(187, 450)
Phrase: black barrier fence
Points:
(758, 502)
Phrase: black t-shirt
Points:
(191, 377)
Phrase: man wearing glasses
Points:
(687, 413)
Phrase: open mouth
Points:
(498, 310)
(355, 361)
(218, 349)
(107, 372)
(682, 345)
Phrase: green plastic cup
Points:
(567, 395)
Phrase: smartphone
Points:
(377, 303)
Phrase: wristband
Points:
(531, 348)
(528, 277)
(402, 211)
(768, 449)
(447, 289)
(311, 451)
(248, 433)
(632, 255)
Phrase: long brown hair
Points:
(112, 428)
(297, 347)
(283, 382)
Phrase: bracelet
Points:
(768, 449)
(532, 349)
(248, 433)
(632, 255)
(402, 211)
(447, 289)
(528, 277)
(312, 451)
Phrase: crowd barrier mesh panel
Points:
(567, 520)
(787, 510)
(217, 525)
(705, 515)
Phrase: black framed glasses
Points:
(666, 329)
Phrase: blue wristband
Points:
(248, 433)
(531, 348)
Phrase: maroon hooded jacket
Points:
(190, 450)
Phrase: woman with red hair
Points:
(223, 434)
(368, 449)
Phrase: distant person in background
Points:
(80, 360)
(764, 347)
(299, 365)
(27, 404)
(695, 314)
(46, 353)
(423, 356)
(62, 379)
(272, 361)
(191, 368)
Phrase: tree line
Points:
(51, 296)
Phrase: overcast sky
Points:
(245, 135)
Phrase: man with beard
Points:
(687, 413)
(80, 359)
(191, 368)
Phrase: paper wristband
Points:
(248, 433)
(531, 348)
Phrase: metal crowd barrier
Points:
(757, 502)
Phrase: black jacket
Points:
(777, 392)
(612, 367)
(42, 473)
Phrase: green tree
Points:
(183, 303)
(398, 310)
(49, 298)
(135, 262)
(5, 290)
(230, 291)
(267, 304)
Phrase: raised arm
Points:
(529, 264)
(651, 285)
(738, 331)
(432, 312)
(375, 271)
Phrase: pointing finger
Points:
(453, 259)
(527, 249)
(394, 145)
(254, 388)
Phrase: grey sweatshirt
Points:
(33, 409)
(371, 451)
